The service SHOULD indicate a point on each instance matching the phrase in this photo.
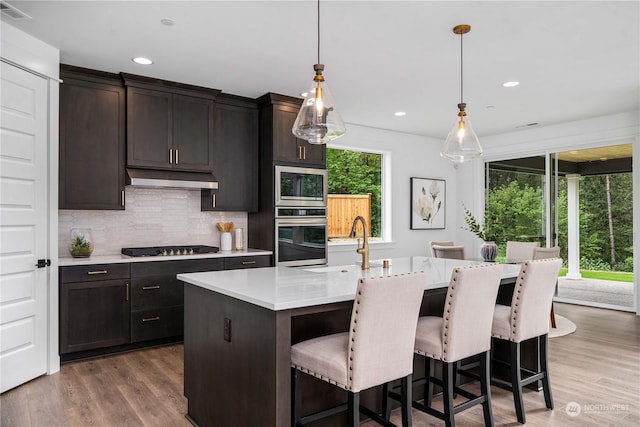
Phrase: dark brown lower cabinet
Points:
(94, 314)
(157, 296)
(107, 308)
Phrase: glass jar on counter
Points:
(81, 245)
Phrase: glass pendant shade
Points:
(318, 121)
(462, 143)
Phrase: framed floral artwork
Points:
(427, 203)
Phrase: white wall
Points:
(411, 156)
(623, 128)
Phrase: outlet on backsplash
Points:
(153, 217)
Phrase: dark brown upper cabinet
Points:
(92, 140)
(235, 160)
(277, 116)
(169, 125)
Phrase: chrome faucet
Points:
(364, 250)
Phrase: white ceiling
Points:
(574, 59)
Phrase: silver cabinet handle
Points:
(148, 288)
(122, 197)
(213, 200)
(126, 292)
(304, 153)
(177, 152)
(248, 262)
(94, 272)
(150, 319)
(170, 156)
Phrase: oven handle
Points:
(300, 221)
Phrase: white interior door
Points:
(23, 226)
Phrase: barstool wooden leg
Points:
(553, 317)
(296, 399)
(546, 385)
(448, 377)
(428, 386)
(353, 410)
(386, 402)
(405, 400)
(516, 382)
(485, 387)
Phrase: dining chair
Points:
(432, 244)
(464, 330)
(452, 252)
(377, 349)
(544, 253)
(527, 318)
(520, 251)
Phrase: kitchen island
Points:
(240, 325)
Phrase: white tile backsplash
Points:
(153, 217)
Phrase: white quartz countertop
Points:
(119, 258)
(283, 288)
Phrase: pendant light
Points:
(462, 142)
(318, 121)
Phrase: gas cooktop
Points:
(169, 250)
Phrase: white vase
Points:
(225, 241)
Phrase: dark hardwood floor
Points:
(597, 367)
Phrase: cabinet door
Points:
(92, 145)
(235, 162)
(288, 148)
(149, 128)
(93, 315)
(193, 126)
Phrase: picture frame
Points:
(428, 203)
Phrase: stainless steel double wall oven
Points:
(301, 216)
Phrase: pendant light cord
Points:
(318, 32)
(461, 71)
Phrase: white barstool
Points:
(377, 349)
(544, 253)
(520, 251)
(432, 244)
(526, 318)
(451, 252)
(463, 331)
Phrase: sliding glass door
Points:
(580, 200)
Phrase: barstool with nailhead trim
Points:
(526, 318)
(463, 331)
(377, 349)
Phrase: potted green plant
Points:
(81, 245)
(489, 248)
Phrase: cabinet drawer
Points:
(163, 267)
(156, 292)
(93, 272)
(235, 263)
(157, 323)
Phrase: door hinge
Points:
(42, 263)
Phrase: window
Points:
(355, 188)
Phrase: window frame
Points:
(385, 195)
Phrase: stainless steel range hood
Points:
(170, 179)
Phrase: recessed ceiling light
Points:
(400, 113)
(510, 84)
(167, 22)
(142, 61)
